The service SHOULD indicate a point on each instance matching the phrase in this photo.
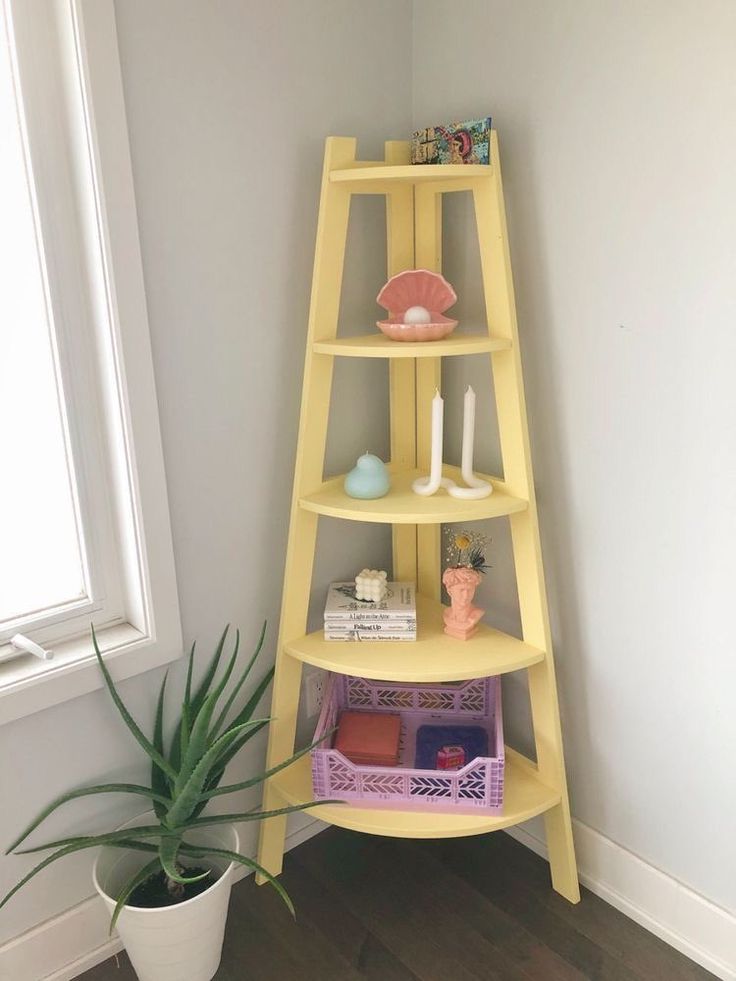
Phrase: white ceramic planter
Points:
(174, 943)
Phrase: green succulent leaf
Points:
(132, 725)
(129, 888)
(188, 796)
(245, 784)
(190, 669)
(180, 745)
(200, 736)
(209, 676)
(103, 788)
(219, 770)
(136, 846)
(38, 868)
(236, 689)
(229, 754)
(159, 781)
(67, 849)
(255, 815)
(181, 733)
(108, 838)
(250, 706)
(167, 853)
(249, 863)
(162, 831)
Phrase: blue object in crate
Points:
(431, 739)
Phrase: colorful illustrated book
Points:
(468, 142)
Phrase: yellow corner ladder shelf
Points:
(414, 235)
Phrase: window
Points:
(84, 534)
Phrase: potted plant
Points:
(166, 875)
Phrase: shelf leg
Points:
(561, 852)
(513, 430)
(332, 226)
(284, 712)
(287, 681)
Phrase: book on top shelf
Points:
(399, 603)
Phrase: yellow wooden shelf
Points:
(414, 199)
(433, 657)
(410, 173)
(525, 796)
(402, 506)
(378, 346)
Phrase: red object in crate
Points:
(451, 758)
(369, 738)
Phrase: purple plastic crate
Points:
(476, 787)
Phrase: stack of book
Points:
(392, 618)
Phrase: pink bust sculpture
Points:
(461, 619)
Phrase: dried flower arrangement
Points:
(466, 549)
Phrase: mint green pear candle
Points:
(368, 479)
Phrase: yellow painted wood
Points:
(525, 796)
(457, 176)
(414, 239)
(402, 506)
(332, 228)
(514, 437)
(434, 657)
(402, 376)
(379, 346)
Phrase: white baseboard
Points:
(76, 940)
(702, 931)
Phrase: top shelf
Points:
(410, 173)
(378, 346)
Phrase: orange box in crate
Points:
(369, 738)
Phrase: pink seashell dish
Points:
(424, 296)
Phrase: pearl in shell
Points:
(417, 315)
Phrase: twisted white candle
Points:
(427, 486)
(468, 433)
(476, 488)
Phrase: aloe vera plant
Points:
(185, 776)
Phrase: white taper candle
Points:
(435, 470)
(430, 485)
(468, 432)
(476, 488)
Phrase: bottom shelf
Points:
(525, 796)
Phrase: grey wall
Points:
(615, 123)
(228, 105)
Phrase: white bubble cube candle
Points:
(370, 584)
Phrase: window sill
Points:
(29, 685)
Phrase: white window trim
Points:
(152, 634)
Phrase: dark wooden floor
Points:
(381, 909)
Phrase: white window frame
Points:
(80, 158)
